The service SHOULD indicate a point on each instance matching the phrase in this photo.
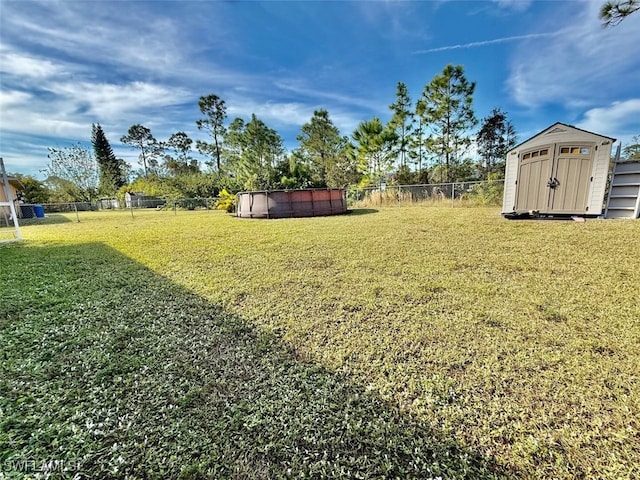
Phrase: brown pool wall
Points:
(291, 203)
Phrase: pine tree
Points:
(373, 150)
(140, 137)
(613, 12)
(417, 142)
(449, 113)
(253, 151)
(322, 147)
(495, 138)
(216, 111)
(402, 122)
(111, 174)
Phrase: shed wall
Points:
(12, 191)
(510, 177)
(560, 133)
(600, 174)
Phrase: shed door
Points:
(571, 178)
(534, 170)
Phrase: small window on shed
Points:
(526, 155)
(544, 152)
(564, 150)
(575, 150)
(585, 150)
(534, 154)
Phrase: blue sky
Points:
(67, 64)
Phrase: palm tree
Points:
(374, 148)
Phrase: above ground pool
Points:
(291, 203)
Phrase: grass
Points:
(406, 342)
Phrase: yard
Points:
(397, 342)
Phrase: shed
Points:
(140, 200)
(561, 171)
(13, 187)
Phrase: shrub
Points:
(486, 193)
(227, 201)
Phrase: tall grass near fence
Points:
(499, 347)
(485, 193)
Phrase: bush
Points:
(486, 193)
(193, 203)
(227, 201)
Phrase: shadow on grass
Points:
(49, 219)
(115, 371)
(361, 211)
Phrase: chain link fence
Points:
(443, 194)
(487, 192)
(139, 204)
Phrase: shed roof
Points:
(13, 181)
(555, 125)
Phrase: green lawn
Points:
(402, 342)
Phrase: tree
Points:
(417, 144)
(322, 147)
(140, 137)
(448, 110)
(254, 150)
(401, 122)
(632, 151)
(216, 111)
(234, 144)
(125, 168)
(344, 171)
(33, 190)
(112, 175)
(182, 163)
(373, 150)
(154, 186)
(75, 170)
(613, 12)
(494, 139)
(293, 172)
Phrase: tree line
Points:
(426, 141)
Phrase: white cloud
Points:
(283, 113)
(101, 41)
(620, 119)
(17, 64)
(91, 32)
(291, 115)
(12, 97)
(69, 108)
(24, 113)
(585, 65)
(111, 101)
(516, 5)
(23, 155)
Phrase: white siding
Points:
(510, 176)
(600, 173)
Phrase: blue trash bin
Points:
(39, 211)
